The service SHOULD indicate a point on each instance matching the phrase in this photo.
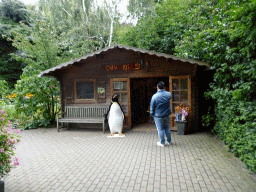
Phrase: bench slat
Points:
(78, 120)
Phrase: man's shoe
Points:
(160, 144)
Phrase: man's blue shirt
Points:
(160, 104)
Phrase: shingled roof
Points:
(116, 46)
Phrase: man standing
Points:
(160, 109)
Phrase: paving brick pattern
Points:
(87, 160)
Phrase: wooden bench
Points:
(83, 114)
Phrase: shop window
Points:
(85, 89)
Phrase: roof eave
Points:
(59, 67)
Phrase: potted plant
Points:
(181, 113)
(8, 141)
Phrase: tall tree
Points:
(111, 9)
(11, 13)
(83, 25)
(37, 98)
(159, 31)
(14, 10)
(139, 9)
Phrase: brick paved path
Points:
(87, 160)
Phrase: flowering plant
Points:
(184, 113)
(181, 112)
(8, 140)
(178, 109)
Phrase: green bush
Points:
(223, 33)
(236, 126)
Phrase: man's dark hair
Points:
(160, 85)
(115, 98)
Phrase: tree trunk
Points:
(111, 31)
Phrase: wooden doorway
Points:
(142, 90)
(121, 87)
(180, 88)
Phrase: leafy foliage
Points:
(8, 141)
(37, 98)
(14, 10)
(82, 26)
(139, 9)
(10, 69)
(159, 31)
(227, 41)
(11, 13)
(3, 88)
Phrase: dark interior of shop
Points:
(142, 89)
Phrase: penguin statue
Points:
(115, 117)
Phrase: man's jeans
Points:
(163, 127)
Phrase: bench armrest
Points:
(60, 113)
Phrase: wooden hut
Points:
(132, 73)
